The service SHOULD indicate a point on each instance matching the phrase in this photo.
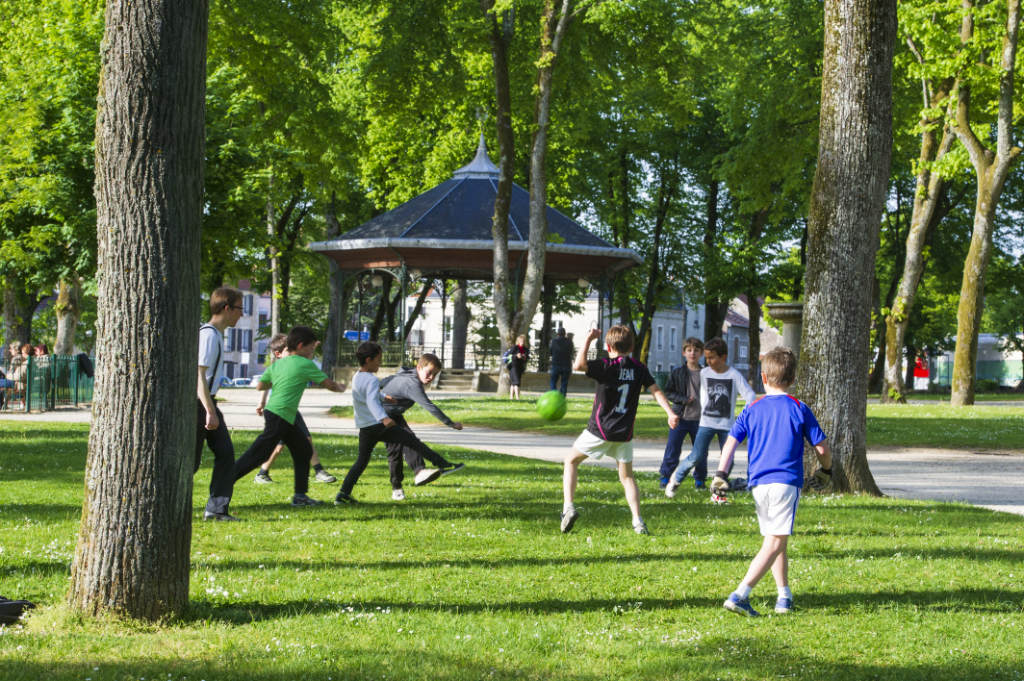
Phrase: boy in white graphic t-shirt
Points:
(719, 386)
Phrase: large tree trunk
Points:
(754, 341)
(132, 555)
(500, 34)
(855, 143)
(930, 189)
(714, 318)
(460, 323)
(991, 170)
(68, 309)
(336, 282)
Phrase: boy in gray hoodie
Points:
(398, 393)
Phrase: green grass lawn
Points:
(470, 579)
(900, 425)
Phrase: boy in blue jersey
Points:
(620, 379)
(777, 425)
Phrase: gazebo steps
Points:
(457, 380)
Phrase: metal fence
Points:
(1006, 373)
(44, 383)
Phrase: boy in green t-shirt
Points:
(288, 377)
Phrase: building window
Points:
(243, 371)
(229, 369)
(247, 305)
(229, 340)
(661, 334)
(247, 340)
(448, 328)
(658, 367)
(742, 354)
(672, 338)
(264, 320)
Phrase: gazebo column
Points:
(460, 324)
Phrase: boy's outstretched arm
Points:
(333, 385)
(659, 396)
(581, 356)
(721, 481)
(263, 401)
(824, 474)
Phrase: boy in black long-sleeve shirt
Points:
(399, 392)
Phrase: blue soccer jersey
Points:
(777, 426)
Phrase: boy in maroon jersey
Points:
(620, 379)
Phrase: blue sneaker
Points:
(740, 606)
(698, 484)
(663, 483)
(783, 605)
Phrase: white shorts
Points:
(776, 503)
(594, 447)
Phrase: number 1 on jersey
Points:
(620, 408)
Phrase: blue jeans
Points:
(697, 459)
(560, 372)
(676, 438)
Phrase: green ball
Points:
(551, 405)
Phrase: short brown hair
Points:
(779, 367)
(278, 343)
(717, 346)
(223, 297)
(695, 343)
(619, 338)
(429, 359)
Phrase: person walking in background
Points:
(561, 361)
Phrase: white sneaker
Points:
(397, 495)
(671, 487)
(427, 475)
(324, 476)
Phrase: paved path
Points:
(992, 480)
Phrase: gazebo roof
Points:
(447, 231)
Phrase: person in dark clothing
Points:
(516, 356)
(399, 392)
(683, 391)
(561, 361)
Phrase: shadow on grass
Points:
(751, 657)
(51, 512)
(957, 600)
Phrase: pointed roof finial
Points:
(480, 168)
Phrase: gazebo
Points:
(445, 232)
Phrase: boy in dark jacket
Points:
(683, 391)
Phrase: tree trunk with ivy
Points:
(930, 188)
(847, 198)
(132, 556)
(991, 169)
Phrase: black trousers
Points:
(414, 457)
(276, 429)
(222, 482)
(368, 439)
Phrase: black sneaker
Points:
(303, 500)
(223, 517)
(452, 468)
(344, 498)
(263, 478)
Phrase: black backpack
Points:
(11, 611)
(84, 364)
